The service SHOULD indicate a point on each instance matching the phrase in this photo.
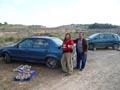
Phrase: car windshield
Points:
(92, 36)
(58, 41)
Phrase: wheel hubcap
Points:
(51, 63)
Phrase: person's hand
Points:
(63, 46)
(70, 46)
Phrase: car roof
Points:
(105, 33)
(45, 37)
(97, 33)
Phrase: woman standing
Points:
(67, 63)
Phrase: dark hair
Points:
(66, 35)
(81, 33)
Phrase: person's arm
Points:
(63, 45)
(85, 46)
(71, 44)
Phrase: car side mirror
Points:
(16, 46)
(59, 47)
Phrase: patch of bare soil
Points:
(102, 73)
(7, 33)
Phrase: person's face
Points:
(81, 36)
(67, 36)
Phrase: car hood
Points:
(9, 46)
(88, 39)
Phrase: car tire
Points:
(51, 63)
(7, 58)
(91, 47)
(115, 47)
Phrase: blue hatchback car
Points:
(104, 40)
(41, 49)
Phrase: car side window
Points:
(40, 43)
(26, 43)
(109, 36)
(101, 36)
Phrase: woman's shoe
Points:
(68, 74)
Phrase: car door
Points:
(99, 40)
(109, 39)
(21, 49)
(39, 51)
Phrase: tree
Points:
(102, 26)
(5, 23)
(0, 24)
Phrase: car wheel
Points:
(115, 47)
(91, 46)
(51, 63)
(7, 58)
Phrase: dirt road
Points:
(102, 73)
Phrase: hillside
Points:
(20, 27)
(75, 26)
(16, 27)
(90, 26)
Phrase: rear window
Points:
(40, 43)
(58, 41)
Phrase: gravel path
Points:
(102, 73)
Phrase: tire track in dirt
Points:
(102, 73)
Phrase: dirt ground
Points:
(102, 73)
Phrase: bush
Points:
(102, 26)
(11, 38)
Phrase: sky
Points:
(52, 13)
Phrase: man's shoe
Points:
(81, 69)
(64, 72)
(67, 74)
(77, 68)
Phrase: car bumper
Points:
(1, 52)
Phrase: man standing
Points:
(81, 48)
